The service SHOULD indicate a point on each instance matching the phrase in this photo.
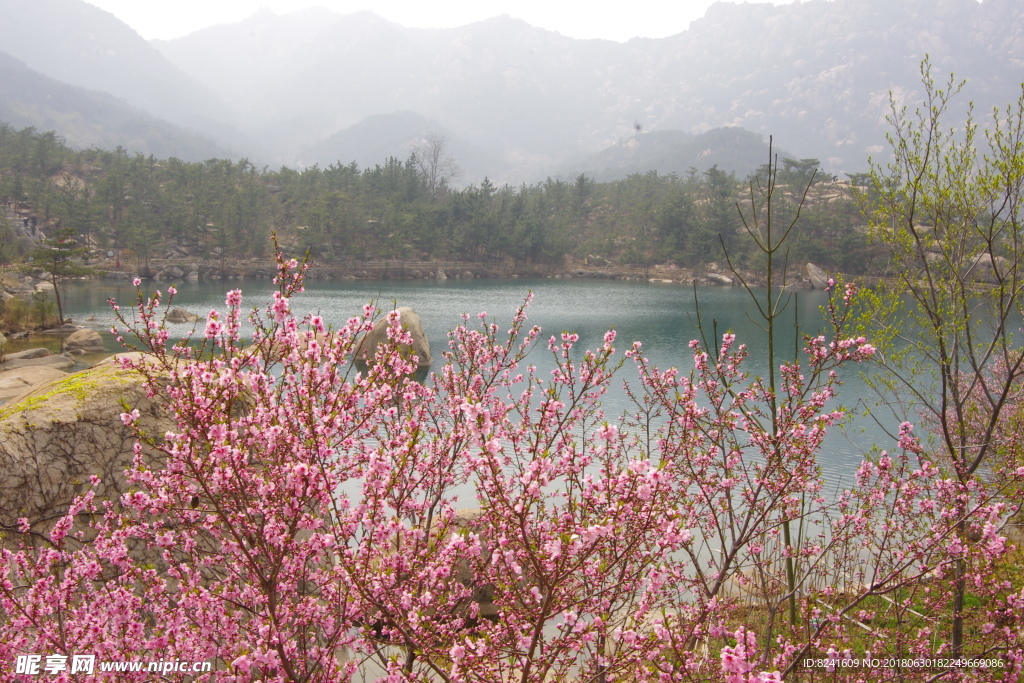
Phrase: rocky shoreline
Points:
(182, 268)
(22, 370)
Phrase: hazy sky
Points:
(619, 20)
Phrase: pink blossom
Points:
(293, 524)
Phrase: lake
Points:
(661, 316)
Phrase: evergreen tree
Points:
(59, 257)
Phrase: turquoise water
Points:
(661, 316)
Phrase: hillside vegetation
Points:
(403, 209)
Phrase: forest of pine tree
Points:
(141, 206)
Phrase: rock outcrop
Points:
(57, 362)
(411, 322)
(54, 437)
(16, 382)
(27, 354)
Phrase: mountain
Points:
(238, 59)
(495, 83)
(87, 118)
(398, 134)
(521, 102)
(674, 151)
(814, 74)
(82, 45)
(818, 74)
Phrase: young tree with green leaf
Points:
(59, 257)
(948, 209)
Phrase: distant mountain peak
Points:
(524, 100)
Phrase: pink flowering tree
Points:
(305, 519)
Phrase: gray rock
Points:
(16, 382)
(172, 273)
(66, 329)
(53, 437)
(86, 341)
(27, 354)
(469, 519)
(719, 279)
(441, 275)
(420, 347)
(179, 315)
(817, 276)
(51, 361)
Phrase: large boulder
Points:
(24, 291)
(58, 434)
(719, 279)
(817, 276)
(411, 322)
(85, 341)
(179, 315)
(170, 273)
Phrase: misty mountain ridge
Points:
(88, 118)
(81, 45)
(518, 102)
(676, 152)
(816, 74)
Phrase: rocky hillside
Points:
(815, 74)
(519, 103)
